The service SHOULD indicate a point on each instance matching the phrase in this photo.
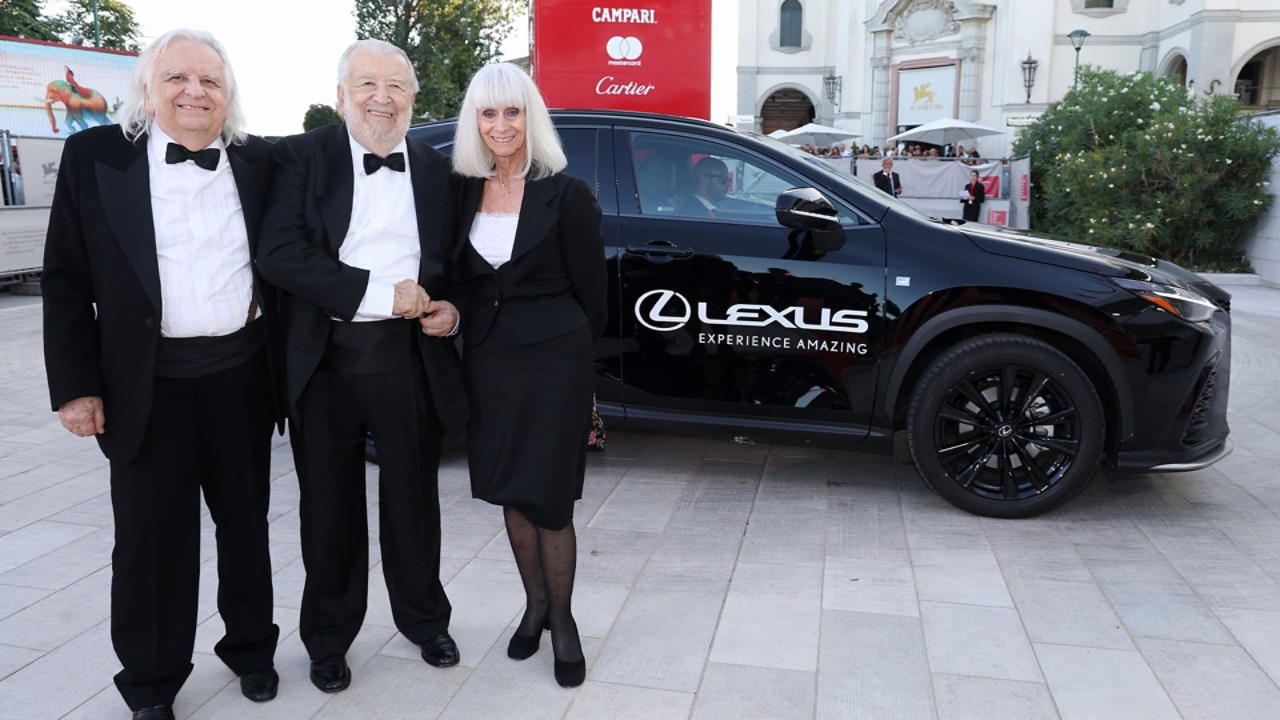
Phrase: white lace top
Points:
(493, 234)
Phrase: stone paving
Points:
(722, 580)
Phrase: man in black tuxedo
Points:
(887, 180)
(359, 236)
(157, 341)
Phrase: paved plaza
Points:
(722, 580)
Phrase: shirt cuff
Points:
(457, 324)
(378, 302)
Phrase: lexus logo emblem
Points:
(656, 311)
(624, 48)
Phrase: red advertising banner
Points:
(991, 185)
(998, 217)
(649, 55)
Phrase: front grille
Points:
(1198, 424)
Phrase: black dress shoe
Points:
(260, 686)
(159, 712)
(440, 651)
(331, 674)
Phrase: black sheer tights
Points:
(546, 560)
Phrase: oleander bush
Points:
(1137, 162)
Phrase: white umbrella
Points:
(947, 131)
(815, 134)
(776, 133)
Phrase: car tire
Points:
(1005, 426)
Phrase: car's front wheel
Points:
(1005, 426)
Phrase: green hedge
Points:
(1144, 164)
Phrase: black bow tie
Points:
(207, 158)
(394, 161)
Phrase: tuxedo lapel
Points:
(124, 184)
(336, 187)
(251, 184)
(428, 190)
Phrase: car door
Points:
(722, 309)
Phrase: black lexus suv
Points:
(809, 303)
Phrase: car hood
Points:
(1090, 258)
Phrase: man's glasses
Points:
(718, 178)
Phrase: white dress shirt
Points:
(383, 235)
(202, 247)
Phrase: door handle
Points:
(666, 252)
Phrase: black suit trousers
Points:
(334, 413)
(209, 433)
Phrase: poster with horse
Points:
(53, 90)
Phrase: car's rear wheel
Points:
(1005, 426)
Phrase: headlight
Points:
(1186, 304)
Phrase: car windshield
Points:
(836, 176)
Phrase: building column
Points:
(881, 86)
(747, 101)
(972, 62)
(1209, 63)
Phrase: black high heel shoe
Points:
(522, 647)
(572, 673)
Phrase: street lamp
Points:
(1077, 42)
(832, 85)
(1029, 73)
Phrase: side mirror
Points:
(806, 209)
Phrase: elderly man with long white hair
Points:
(158, 343)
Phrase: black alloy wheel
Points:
(1005, 426)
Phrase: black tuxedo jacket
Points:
(555, 281)
(882, 181)
(306, 222)
(101, 282)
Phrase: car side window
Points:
(580, 150)
(684, 177)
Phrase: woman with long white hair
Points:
(531, 264)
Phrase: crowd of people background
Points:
(921, 151)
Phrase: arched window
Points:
(791, 21)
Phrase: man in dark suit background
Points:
(710, 187)
(711, 183)
(157, 343)
(359, 236)
(886, 179)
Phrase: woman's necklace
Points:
(505, 183)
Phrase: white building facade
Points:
(879, 67)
